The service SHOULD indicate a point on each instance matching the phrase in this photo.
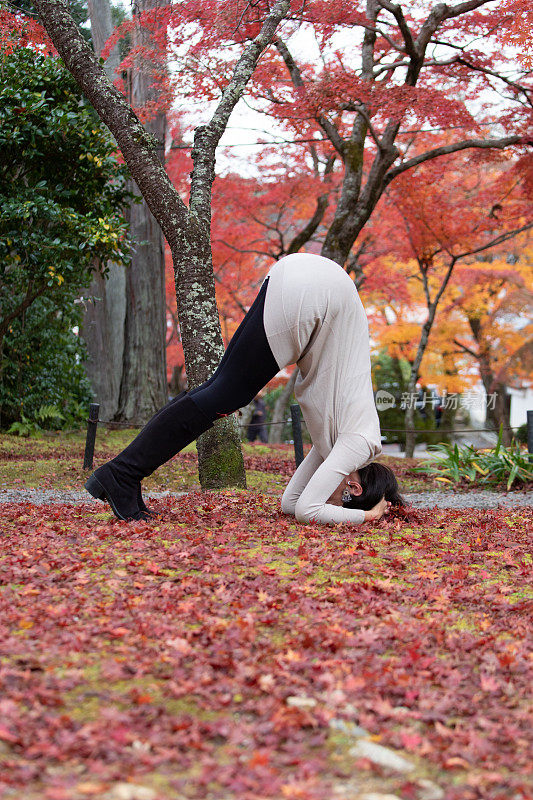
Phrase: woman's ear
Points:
(355, 488)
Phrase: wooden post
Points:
(297, 434)
(92, 423)
(530, 434)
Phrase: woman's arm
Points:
(351, 451)
(299, 481)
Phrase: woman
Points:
(308, 312)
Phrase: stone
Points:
(297, 701)
(430, 790)
(347, 790)
(380, 755)
(130, 791)
(143, 747)
(378, 796)
(347, 727)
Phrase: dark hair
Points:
(377, 481)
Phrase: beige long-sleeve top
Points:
(314, 318)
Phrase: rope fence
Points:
(458, 431)
(399, 430)
(296, 421)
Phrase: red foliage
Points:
(167, 626)
(17, 30)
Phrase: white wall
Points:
(521, 402)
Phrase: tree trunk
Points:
(103, 332)
(102, 327)
(410, 431)
(280, 410)
(245, 417)
(220, 460)
(500, 414)
(125, 322)
(177, 382)
(143, 388)
(498, 401)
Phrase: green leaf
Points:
(512, 476)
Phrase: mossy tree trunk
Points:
(220, 461)
(187, 230)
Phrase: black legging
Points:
(247, 366)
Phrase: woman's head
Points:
(376, 481)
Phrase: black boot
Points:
(169, 431)
(140, 502)
(142, 505)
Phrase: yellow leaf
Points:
(476, 466)
(444, 480)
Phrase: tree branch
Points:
(22, 306)
(397, 13)
(296, 76)
(321, 204)
(451, 148)
(207, 137)
(503, 237)
(463, 8)
(431, 63)
(494, 74)
(362, 111)
(465, 348)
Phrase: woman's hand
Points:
(378, 511)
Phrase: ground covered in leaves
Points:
(205, 655)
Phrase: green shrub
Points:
(62, 191)
(484, 467)
(521, 434)
(47, 416)
(43, 365)
(392, 375)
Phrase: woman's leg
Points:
(247, 366)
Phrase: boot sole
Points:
(95, 488)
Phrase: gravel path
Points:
(418, 499)
(470, 500)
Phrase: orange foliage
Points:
(429, 218)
